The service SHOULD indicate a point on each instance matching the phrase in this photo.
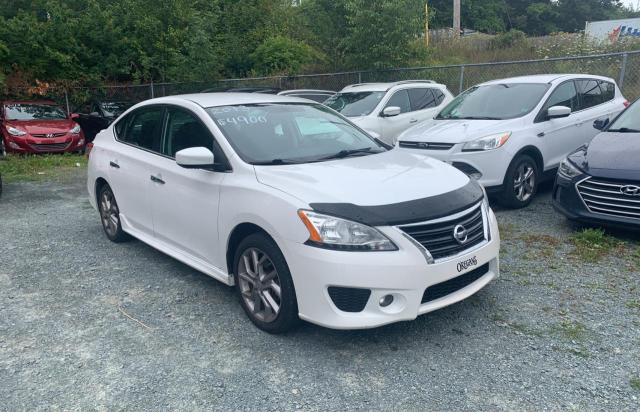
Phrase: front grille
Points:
(349, 299)
(48, 135)
(54, 147)
(440, 290)
(606, 197)
(438, 236)
(426, 146)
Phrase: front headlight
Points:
(568, 170)
(487, 143)
(339, 234)
(75, 130)
(15, 132)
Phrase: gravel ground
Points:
(553, 333)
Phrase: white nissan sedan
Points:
(307, 215)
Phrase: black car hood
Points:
(614, 156)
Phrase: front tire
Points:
(264, 284)
(520, 183)
(110, 215)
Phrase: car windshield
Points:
(495, 102)
(354, 104)
(628, 121)
(33, 112)
(281, 133)
(114, 109)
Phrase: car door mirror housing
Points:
(601, 124)
(196, 158)
(391, 111)
(556, 112)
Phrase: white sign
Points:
(613, 30)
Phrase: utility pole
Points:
(456, 18)
(426, 23)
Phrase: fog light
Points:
(386, 301)
(14, 145)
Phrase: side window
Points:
(401, 100)
(184, 130)
(84, 108)
(589, 92)
(96, 108)
(422, 99)
(439, 96)
(563, 95)
(144, 128)
(608, 91)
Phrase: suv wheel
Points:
(110, 215)
(521, 182)
(264, 284)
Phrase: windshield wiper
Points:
(275, 162)
(624, 130)
(346, 153)
(478, 118)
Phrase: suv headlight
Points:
(491, 142)
(75, 130)
(15, 132)
(568, 170)
(339, 234)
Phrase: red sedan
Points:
(37, 127)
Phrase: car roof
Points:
(227, 99)
(286, 92)
(545, 78)
(384, 87)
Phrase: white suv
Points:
(307, 215)
(388, 109)
(509, 134)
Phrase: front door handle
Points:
(114, 165)
(156, 179)
(413, 121)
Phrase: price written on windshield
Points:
(241, 120)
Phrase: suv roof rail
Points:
(393, 84)
(413, 81)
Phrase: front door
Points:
(185, 202)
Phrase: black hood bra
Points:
(412, 211)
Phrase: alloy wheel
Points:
(259, 285)
(109, 213)
(524, 182)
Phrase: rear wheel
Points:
(264, 284)
(110, 215)
(521, 182)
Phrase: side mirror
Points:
(391, 111)
(601, 124)
(74, 116)
(556, 112)
(195, 158)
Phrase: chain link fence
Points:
(624, 67)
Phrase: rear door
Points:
(138, 138)
(424, 103)
(185, 202)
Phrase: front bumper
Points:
(492, 164)
(29, 144)
(404, 274)
(567, 201)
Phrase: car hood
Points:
(612, 155)
(43, 126)
(456, 131)
(380, 179)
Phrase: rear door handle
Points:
(114, 165)
(156, 179)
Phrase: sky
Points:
(632, 3)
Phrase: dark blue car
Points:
(600, 182)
